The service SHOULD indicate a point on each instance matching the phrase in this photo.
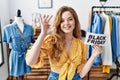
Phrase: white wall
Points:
(82, 7)
(4, 15)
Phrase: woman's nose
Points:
(66, 21)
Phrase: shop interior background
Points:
(8, 10)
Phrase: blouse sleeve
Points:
(45, 51)
(84, 57)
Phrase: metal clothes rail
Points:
(104, 7)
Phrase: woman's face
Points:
(68, 22)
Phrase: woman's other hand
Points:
(96, 50)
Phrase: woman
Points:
(66, 52)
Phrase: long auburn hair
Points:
(58, 34)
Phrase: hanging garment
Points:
(106, 68)
(115, 32)
(118, 35)
(17, 63)
(107, 50)
(95, 27)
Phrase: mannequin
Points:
(17, 63)
(19, 20)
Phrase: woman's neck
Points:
(68, 37)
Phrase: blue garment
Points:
(95, 27)
(119, 33)
(54, 76)
(115, 41)
(17, 63)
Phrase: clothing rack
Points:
(104, 7)
(117, 62)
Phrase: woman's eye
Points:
(70, 19)
(62, 20)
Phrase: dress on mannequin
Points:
(17, 63)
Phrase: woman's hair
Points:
(58, 34)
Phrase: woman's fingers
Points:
(47, 18)
(51, 30)
(97, 48)
(45, 23)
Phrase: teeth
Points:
(68, 27)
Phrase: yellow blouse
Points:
(69, 62)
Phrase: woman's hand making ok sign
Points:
(45, 26)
